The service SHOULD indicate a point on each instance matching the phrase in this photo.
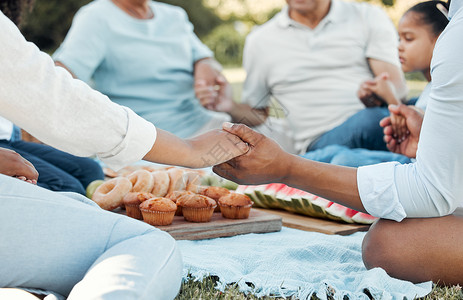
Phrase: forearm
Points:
(171, 150)
(245, 114)
(332, 182)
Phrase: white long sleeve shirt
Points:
(64, 112)
(433, 185)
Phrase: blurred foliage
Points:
(49, 21)
(203, 18)
(227, 44)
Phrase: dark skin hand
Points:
(408, 144)
(13, 164)
(266, 162)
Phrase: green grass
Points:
(205, 290)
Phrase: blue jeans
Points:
(63, 242)
(343, 156)
(362, 130)
(58, 170)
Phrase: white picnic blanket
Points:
(294, 262)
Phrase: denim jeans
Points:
(63, 242)
(58, 170)
(343, 156)
(362, 130)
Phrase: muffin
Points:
(235, 206)
(132, 203)
(175, 195)
(214, 192)
(197, 208)
(158, 211)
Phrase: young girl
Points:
(418, 29)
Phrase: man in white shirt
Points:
(420, 204)
(312, 57)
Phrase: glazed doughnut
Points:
(142, 181)
(161, 182)
(178, 180)
(109, 195)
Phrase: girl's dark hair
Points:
(14, 9)
(430, 14)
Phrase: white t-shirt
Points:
(6, 129)
(64, 112)
(433, 185)
(315, 73)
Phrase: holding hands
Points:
(265, 161)
(211, 87)
(13, 164)
(377, 91)
(405, 144)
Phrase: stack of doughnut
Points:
(143, 184)
(160, 182)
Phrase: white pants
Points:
(65, 243)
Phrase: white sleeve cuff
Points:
(138, 141)
(376, 184)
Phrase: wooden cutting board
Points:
(313, 224)
(258, 222)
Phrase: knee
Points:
(378, 247)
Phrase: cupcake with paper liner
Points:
(158, 211)
(197, 208)
(235, 206)
(175, 195)
(214, 192)
(132, 203)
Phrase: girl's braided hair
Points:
(14, 9)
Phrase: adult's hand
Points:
(264, 162)
(217, 96)
(13, 164)
(407, 145)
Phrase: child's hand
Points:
(377, 91)
(413, 120)
(399, 127)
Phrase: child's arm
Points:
(208, 149)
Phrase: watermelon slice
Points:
(340, 211)
(259, 192)
(363, 218)
(249, 191)
(271, 191)
(284, 198)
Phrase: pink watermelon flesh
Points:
(363, 218)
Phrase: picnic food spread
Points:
(156, 196)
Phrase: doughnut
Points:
(178, 180)
(109, 195)
(142, 181)
(160, 183)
